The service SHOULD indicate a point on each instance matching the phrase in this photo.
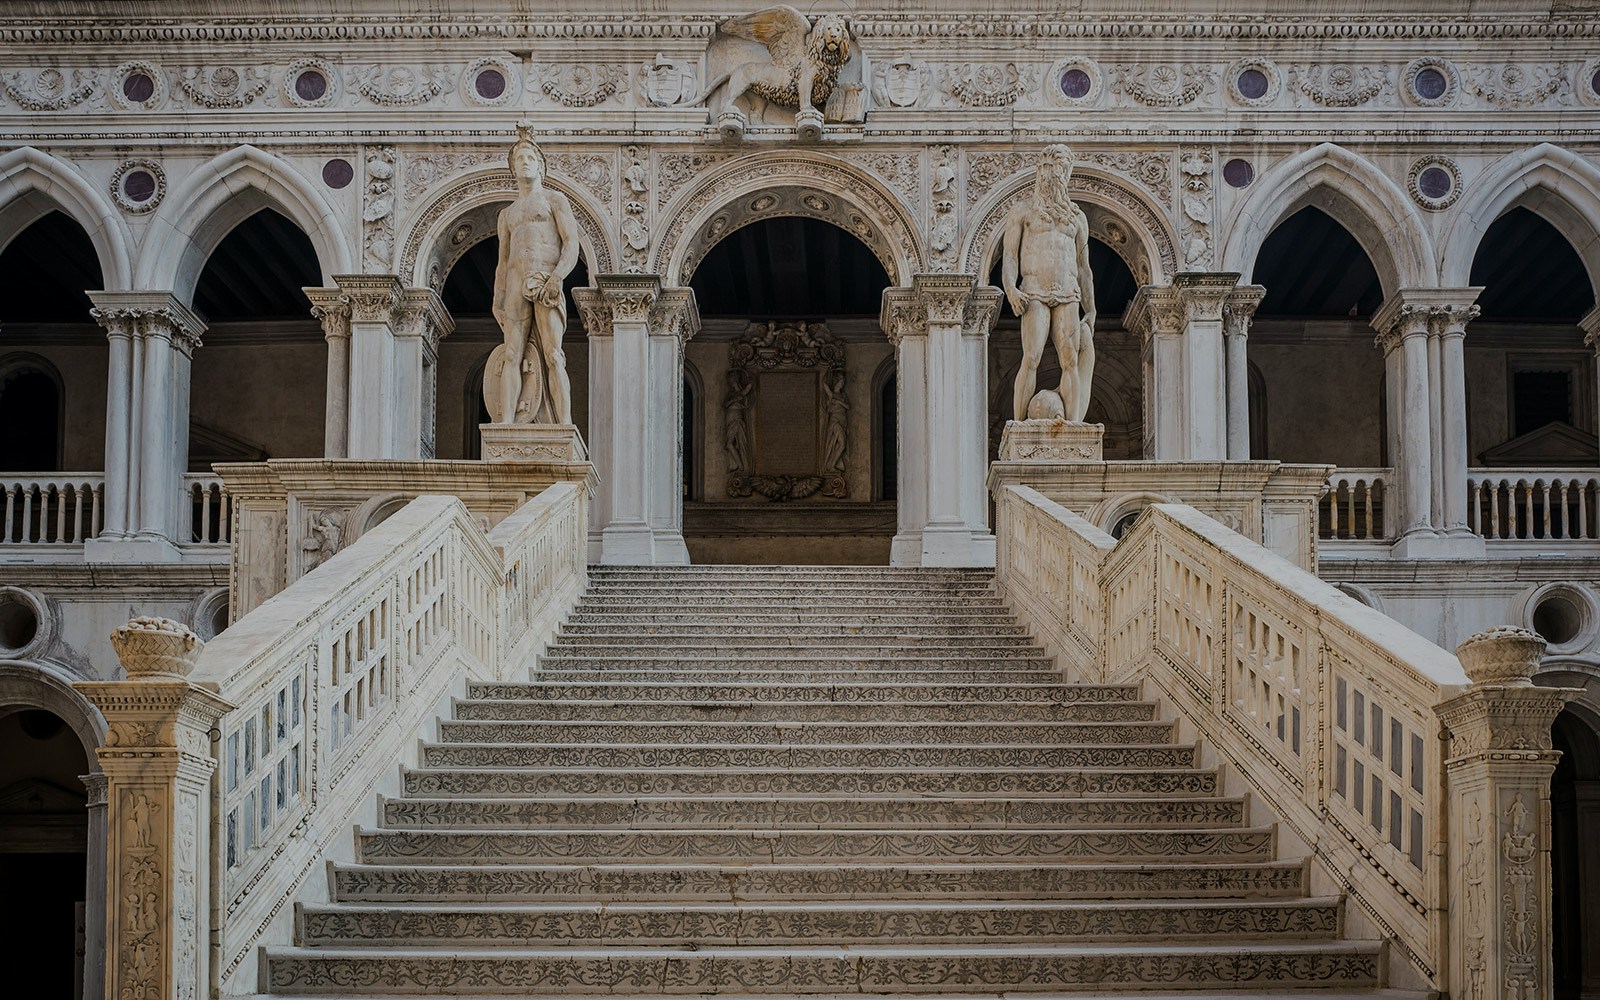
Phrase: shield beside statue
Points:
(534, 405)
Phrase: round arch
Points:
(1359, 196)
(217, 197)
(33, 184)
(1119, 217)
(16, 363)
(1558, 185)
(30, 684)
(763, 185)
(467, 212)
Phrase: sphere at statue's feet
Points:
(1046, 405)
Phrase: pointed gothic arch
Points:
(34, 183)
(218, 196)
(1351, 190)
(1558, 185)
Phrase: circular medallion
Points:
(310, 83)
(1434, 182)
(338, 173)
(1077, 82)
(1431, 82)
(1253, 81)
(141, 85)
(489, 82)
(138, 186)
(1238, 173)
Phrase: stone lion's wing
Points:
(782, 29)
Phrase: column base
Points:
(1051, 441)
(131, 549)
(532, 443)
(1428, 544)
(639, 545)
(956, 545)
(905, 549)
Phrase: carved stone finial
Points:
(149, 646)
(1505, 654)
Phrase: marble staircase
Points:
(821, 781)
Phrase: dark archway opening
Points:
(792, 272)
(468, 296)
(1311, 342)
(43, 851)
(258, 383)
(1575, 857)
(1532, 379)
(52, 406)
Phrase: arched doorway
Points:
(1575, 855)
(791, 355)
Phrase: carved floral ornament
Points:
(785, 347)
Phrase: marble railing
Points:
(210, 510)
(1337, 719)
(305, 707)
(1354, 508)
(1537, 504)
(52, 508)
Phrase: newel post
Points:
(157, 761)
(1498, 766)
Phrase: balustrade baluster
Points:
(205, 512)
(1333, 511)
(61, 513)
(1583, 512)
(27, 513)
(77, 512)
(1527, 507)
(1368, 488)
(1494, 510)
(1475, 506)
(11, 511)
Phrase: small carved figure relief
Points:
(777, 57)
(323, 538)
(1045, 273)
(735, 421)
(538, 249)
(838, 409)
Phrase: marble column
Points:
(1498, 764)
(1591, 337)
(1237, 310)
(1203, 294)
(1402, 327)
(637, 330)
(157, 761)
(153, 337)
(905, 323)
(332, 310)
(421, 323)
(1449, 322)
(978, 321)
(1156, 314)
(94, 890)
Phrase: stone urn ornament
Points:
(156, 647)
(1503, 655)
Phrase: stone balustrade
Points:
(1414, 785)
(52, 508)
(1536, 504)
(210, 509)
(1356, 505)
(302, 709)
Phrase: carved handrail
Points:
(325, 687)
(1327, 709)
(52, 507)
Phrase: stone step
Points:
(693, 881)
(903, 734)
(990, 757)
(1052, 692)
(827, 659)
(819, 969)
(880, 592)
(732, 619)
(742, 571)
(812, 602)
(807, 712)
(1015, 782)
(713, 641)
(731, 924)
(820, 677)
(1016, 845)
(926, 632)
(798, 813)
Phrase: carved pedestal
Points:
(1498, 772)
(532, 443)
(157, 763)
(1051, 441)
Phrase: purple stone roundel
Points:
(138, 87)
(1238, 173)
(1075, 83)
(490, 84)
(310, 85)
(139, 186)
(338, 173)
(1435, 183)
(1253, 84)
(1431, 84)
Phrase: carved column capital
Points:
(675, 314)
(944, 296)
(982, 311)
(372, 298)
(629, 296)
(139, 315)
(1435, 312)
(1591, 328)
(422, 314)
(902, 315)
(1155, 310)
(332, 309)
(1398, 319)
(594, 311)
(1451, 320)
(1239, 308)
(1203, 293)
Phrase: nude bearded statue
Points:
(1046, 244)
(538, 249)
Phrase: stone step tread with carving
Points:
(876, 591)
(802, 632)
(821, 845)
(809, 733)
(811, 969)
(821, 676)
(963, 878)
(831, 660)
(837, 922)
(738, 755)
(787, 572)
(1051, 692)
(945, 782)
(690, 645)
(799, 812)
(730, 617)
(907, 604)
(809, 712)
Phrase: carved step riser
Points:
(771, 604)
(929, 632)
(785, 645)
(965, 879)
(696, 973)
(789, 693)
(440, 847)
(659, 781)
(733, 620)
(880, 593)
(731, 925)
(909, 676)
(808, 712)
(807, 734)
(795, 814)
(825, 660)
(986, 757)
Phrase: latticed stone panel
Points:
(737, 781)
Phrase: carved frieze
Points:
(1517, 85)
(218, 87)
(990, 84)
(1196, 164)
(582, 85)
(424, 170)
(900, 83)
(1339, 85)
(400, 86)
(50, 89)
(664, 82)
(377, 208)
(1162, 85)
(635, 209)
(768, 348)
